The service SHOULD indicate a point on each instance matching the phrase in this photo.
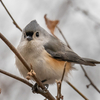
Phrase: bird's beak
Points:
(29, 38)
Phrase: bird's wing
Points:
(60, 51)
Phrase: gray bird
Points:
(47, 54)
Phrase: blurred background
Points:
(80, 24)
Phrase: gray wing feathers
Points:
(70, 57)
(60, 51)
(91, 61)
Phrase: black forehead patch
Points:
(30, 33)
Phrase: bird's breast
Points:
(42, 63)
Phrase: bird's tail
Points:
(90, 62)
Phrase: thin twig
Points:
(59, 83)
(64, 71)
(16, 77)
(14, 22)
(59, 95)
(21, 80)
(26, 65)
(91, 82)
(63, 36)
(80, 65)
(77, 90)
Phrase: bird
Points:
(47, 54)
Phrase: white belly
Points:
(45, 67)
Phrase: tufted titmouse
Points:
(47, 54)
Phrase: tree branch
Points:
(63, 36)
(59, 83)
(14, 22)
(91, 82)
(77, 90)
(26, 65)
(16, 77)
(64, 71)
(21, 80)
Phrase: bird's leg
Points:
(37, 89)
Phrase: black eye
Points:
(37, 34)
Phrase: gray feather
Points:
(32, 26)
(60, 51)
(91, 61)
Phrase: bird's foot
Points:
(37, 89)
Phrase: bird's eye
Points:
(37, 34)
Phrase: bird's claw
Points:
(37, 89)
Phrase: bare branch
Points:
(59, 95)
(80, 65)
(59, 83)
(22, 80)
(16, 77)
(63, 36)
(91, 83)
(26, 65)
(77, 90)
(14, 22)
(64, 71)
